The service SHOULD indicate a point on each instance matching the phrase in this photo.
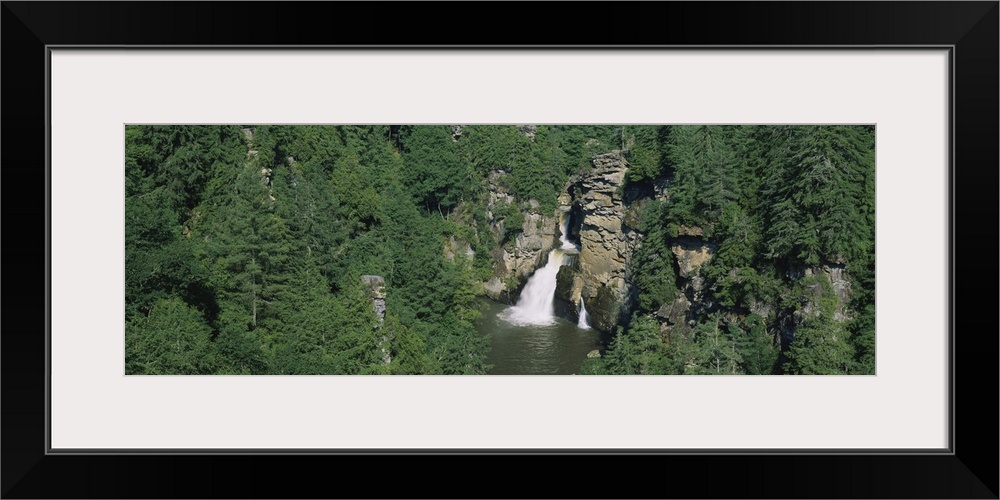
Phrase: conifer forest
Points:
(499, 249)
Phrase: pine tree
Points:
(652, 267)
(717, 353)
(172, 340)
(820, 195)
(305, 323)
(821, 345)
(639, 350)
(705, 170)
(758, 351)
(355, 348)
(433, 172)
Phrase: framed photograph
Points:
(305, 245)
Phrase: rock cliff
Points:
(376, 292)
(607, 238)
(522, 250)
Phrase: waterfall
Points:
(582, 322)
(535, 306)
(564, 237)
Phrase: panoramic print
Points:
(499, 249)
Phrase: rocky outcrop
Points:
(376, 292)
(529, 131)
(674, 316)
(265, 173)
(516, 259)
(453, 247)
(832, 274)
(494, 288)
(836, 275)
(569, 289)
(569, 284)
(607, 240)
(499, 196)
(692, 252)
(538, 236)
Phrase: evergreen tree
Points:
(306, 318)
(758, 351)
(355, 348)
(821, 195)
(639, 350)
(252, 243)
(642, 145)
(822, 344)
(705, 173)
(433, 173)
(717, 354)
(159, 260)
(652, 267)
(172, 340)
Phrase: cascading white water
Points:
(535, 306)
(582, 322)
(564, 237)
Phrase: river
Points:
(556, 349)
(528, 338)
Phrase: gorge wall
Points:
(598, 220)
(520, 251)
(602, 217)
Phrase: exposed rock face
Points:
(606, 240)
(248, 138)
(376, 291)
(498, 193)
(529, 131)
(538, 236)
(691, 254)
(515, 261)
(837, 276)
(458, 247)
(494, 288)
(674, 315)
(265, 173)
(456, 132)
(569, 289)
(569, 284)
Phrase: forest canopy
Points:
(305, 249)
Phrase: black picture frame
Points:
(969, 470)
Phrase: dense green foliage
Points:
(778, 204)
(245, 247)
(253, 246)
